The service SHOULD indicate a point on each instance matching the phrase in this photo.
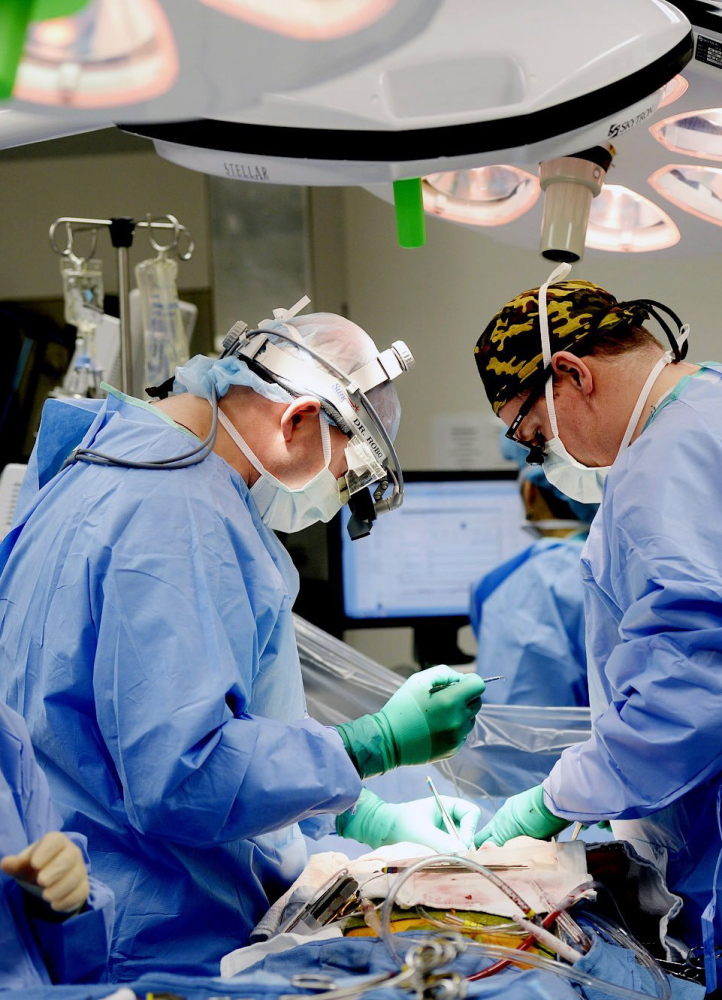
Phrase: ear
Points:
(302, 409)
(575, 370)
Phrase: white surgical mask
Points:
(583, 482)
(281, 507)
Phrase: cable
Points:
(201, 451)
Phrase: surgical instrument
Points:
(448, 823)
(443, 685)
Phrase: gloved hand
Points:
(375, 822)
(521, 815)
(427, 719)
(54, 868)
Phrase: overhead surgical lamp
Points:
(110, 53)
(622, 220)
(692, 187)
(673, 90)
(160, 60)
(482, 196)
(306, 18)
(475, 87)
(14, 21)
(696, 134)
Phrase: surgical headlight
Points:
(370, 454)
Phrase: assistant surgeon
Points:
(585, 387)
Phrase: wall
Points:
(440, 297)
(34, 192)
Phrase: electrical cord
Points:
(183, 461)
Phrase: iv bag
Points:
(83, 292)
(164, 338)
(83, 295)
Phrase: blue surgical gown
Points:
(653, 573)
(36, 948)
(528, 618)
(147, 639)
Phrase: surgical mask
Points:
(582, 482)
(281, 507)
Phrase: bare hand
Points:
(55, 865)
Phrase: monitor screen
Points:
(421, 560)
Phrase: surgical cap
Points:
(508, 353)
(344, 344)
(515, 452)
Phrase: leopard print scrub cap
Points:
(508, 353)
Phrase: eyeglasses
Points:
(538, 383)
(537, 447)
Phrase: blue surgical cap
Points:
(200, 373)
(517, 453)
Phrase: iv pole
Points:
(122, 229)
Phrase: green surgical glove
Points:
(521, 815)
(427, 719)
(375, 822)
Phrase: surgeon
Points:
(611, 415)
(528, 614)
(147, 636)
(55, 922)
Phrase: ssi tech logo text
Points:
(616, 128)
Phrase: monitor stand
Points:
(437, 641)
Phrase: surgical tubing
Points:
(624, 939)
(566, 923)
(512, 956)
(527, 943)
(569, 972)
(437, 859)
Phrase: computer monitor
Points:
(419, 562)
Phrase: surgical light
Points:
(482, 196)
(692, 187)
(696, 133)
(308, 19)
(623, 220)
(474, 88)
(673, 90)
(111, 53)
